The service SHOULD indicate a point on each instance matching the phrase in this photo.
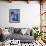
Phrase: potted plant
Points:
(37, 33)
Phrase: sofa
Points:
(17, 34)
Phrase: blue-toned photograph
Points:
(14, 15)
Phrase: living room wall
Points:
(29, 14)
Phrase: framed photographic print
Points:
(14, 15)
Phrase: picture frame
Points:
(14, 15)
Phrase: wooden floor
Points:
(35, 43)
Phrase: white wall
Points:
(29, 14)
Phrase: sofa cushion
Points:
(17, 30)
(11, 29)
(23, 30)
